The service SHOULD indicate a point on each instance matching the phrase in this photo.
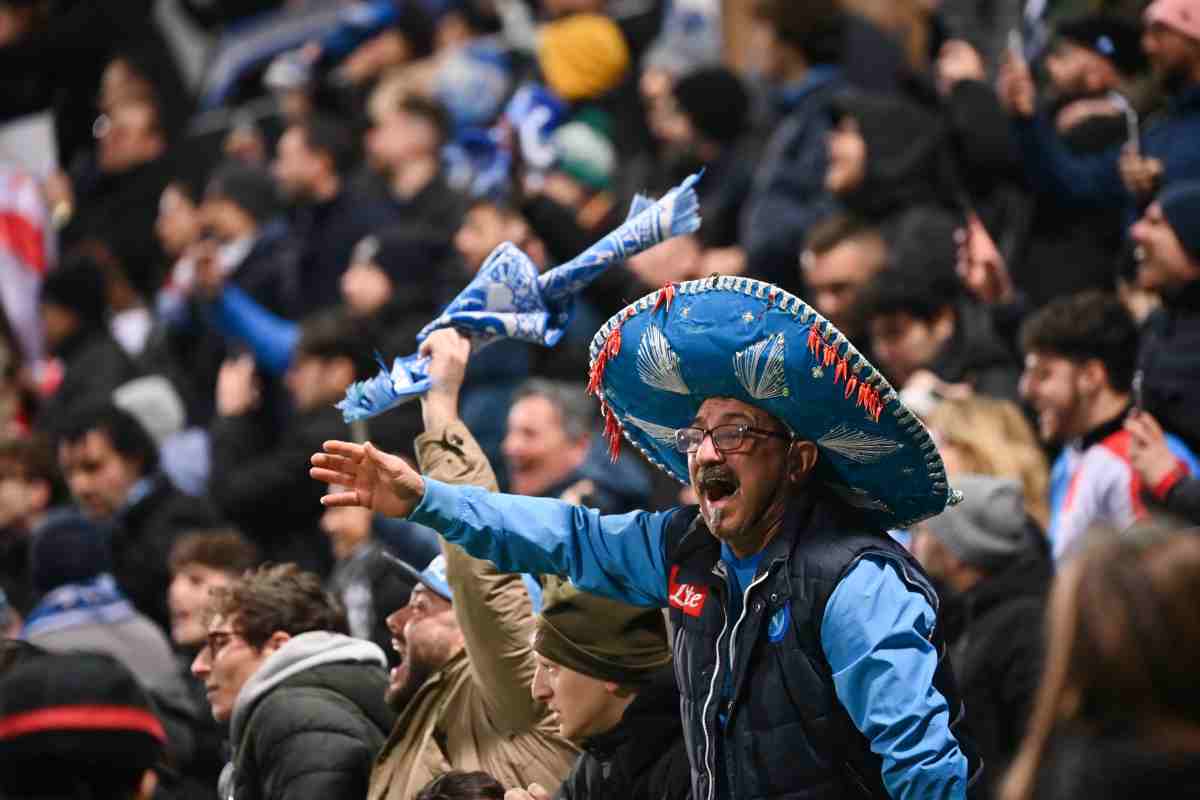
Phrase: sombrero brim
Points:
(656, 361)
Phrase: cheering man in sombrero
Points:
(807, 643)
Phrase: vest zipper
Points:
(712, 780)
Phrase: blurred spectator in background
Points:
(55, 744)
(10, 622)
(582, 175)
(202, 561)
(92, 365)
(797, 49)
(1168, 242)
(1116, 712)
(928, 335)
(841, 255)
(312, 163)
(304, 702)
(182, 452)
(984, 436)
(1080, 354)
(258, 474)
(111, 465)
(1165, 476)
(81, 606)
(30, 485)
(405, 143)
(549, 439)
(1128, 176)
(1070, 248)
(994, 571)
(459, 785)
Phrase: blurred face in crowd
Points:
(904, 343)
(766, 54)
(399, 136)
(99, 477)
(20, 498)
(565, 190)
(298, 169)
(187, 598)
(670, 124)
(120, 83)
(226, 219)
(366, 288)
(314, 382)
(847, 157)
(1174, 57)
(537, 448)
(347, 528)
(739, 489)
(425, 634)
(227, 661)
(1075, 70)
(835, 277)
(178, 223)
(58, 324)
(484, 228)
(128, 136)
(1163, 265)
(583, 706)
(1057, 388)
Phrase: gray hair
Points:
(576, 410)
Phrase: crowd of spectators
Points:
(998, 202)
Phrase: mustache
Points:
(717, 473)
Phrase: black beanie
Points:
(68, 548)
(716, 101)
(78, 285)
(1117, 39)
(75, 719)
(1180, 204)
(249, 188)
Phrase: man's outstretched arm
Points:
(621, 556)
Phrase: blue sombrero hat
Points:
(656, 361)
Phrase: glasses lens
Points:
(687, 440)
(728, 437)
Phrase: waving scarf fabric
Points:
(509, 299)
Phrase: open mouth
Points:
(717, 488)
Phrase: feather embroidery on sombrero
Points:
(653, 364)
(509, 299)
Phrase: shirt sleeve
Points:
(875, 634)
(1090, 180)
(621, 556)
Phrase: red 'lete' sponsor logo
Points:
(687, 598)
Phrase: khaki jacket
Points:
(476, 713)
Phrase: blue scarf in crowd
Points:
(95, 602)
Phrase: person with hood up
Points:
(604, 669)
(303, 700)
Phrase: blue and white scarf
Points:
(96, 602)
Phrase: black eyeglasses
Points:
(726, 438)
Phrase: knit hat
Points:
(1179, 15)
(78, 286)
(68, 548)
(249, 188)
(1115, 38)
(1180, 204)
(74, 719)
(583, 56)
(155, 403)
(585, 150)
(598, 637)
(716, 101)
(987, 529)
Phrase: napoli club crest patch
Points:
(778, 624)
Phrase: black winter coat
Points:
(1116, 765)
(1170, 364)
(995, 647)
(142, 539)
(643, 758)
(93, 366)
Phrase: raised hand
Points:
(368, 478)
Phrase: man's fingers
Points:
(341, 499)
(387, 461)
(335, 463)
(348, 449)
(330, 476)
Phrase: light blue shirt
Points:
(875, 632)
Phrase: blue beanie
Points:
(1180, 204)
(68, 548)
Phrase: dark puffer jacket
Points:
(643, 758)
(309, 722)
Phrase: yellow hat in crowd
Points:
(583, 56)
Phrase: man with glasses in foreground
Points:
(807, 646)
(304, 701)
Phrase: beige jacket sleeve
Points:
(493, 609)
